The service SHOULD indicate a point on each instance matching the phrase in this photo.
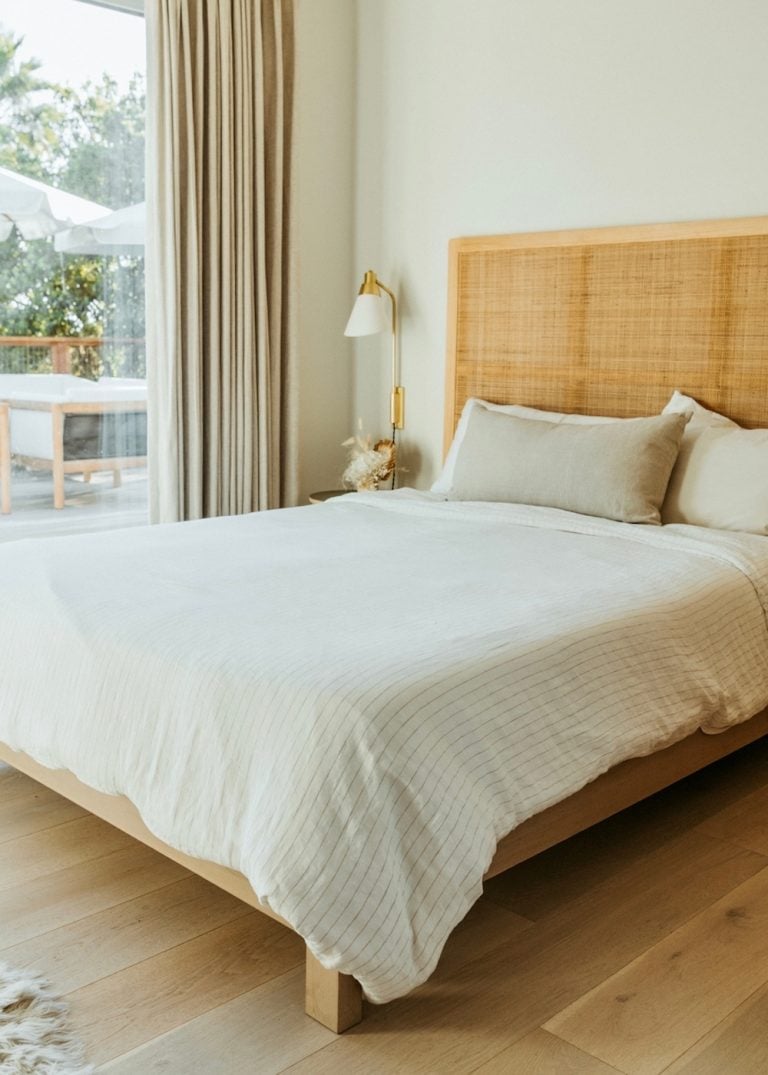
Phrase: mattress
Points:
(351, 703)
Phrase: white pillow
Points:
(444, 483)
(699, 417)
(720, 479)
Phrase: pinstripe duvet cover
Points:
(352, 703)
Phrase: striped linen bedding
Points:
(352, 703)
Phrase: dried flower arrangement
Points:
(368, 463)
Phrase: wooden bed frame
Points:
(585, 321)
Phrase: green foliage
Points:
(89, 141)
(104, 140)
(30, 117)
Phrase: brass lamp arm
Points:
(397, 399)
(372, 286)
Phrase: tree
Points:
(89, 141)
(30, 118)
(102, 143)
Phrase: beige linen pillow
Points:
(720, 479)
(444, 482)
(616, 470)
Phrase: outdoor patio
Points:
(71, 404)
(89, 506)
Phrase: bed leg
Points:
(117, 478)
(333, 999)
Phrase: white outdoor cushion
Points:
(32, 430)
(32, 434)
(123, 382)
(55, 384)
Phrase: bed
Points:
(383, 857)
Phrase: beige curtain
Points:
(219, 339)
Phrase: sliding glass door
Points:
(72, 348)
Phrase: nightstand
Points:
(327, 494)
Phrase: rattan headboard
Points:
(611, 320)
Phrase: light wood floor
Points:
(639, 947)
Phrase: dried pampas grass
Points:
(369, 463)
(35, 1038)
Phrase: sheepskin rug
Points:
(34, 1036)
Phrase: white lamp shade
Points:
(369, 316)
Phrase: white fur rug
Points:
(35, 1038)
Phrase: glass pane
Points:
(72, 350)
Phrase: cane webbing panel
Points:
(610, 321)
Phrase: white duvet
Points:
(352, 703)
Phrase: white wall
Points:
(324, 222)
(480, 116)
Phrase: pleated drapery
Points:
(219, 338)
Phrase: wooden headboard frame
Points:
(611, 320)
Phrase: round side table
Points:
(327, 494)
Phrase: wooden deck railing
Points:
(60, 348)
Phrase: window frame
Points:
(128, 7)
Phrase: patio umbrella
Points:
(120, 232)
(38, 210)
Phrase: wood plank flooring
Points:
(639, 947)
